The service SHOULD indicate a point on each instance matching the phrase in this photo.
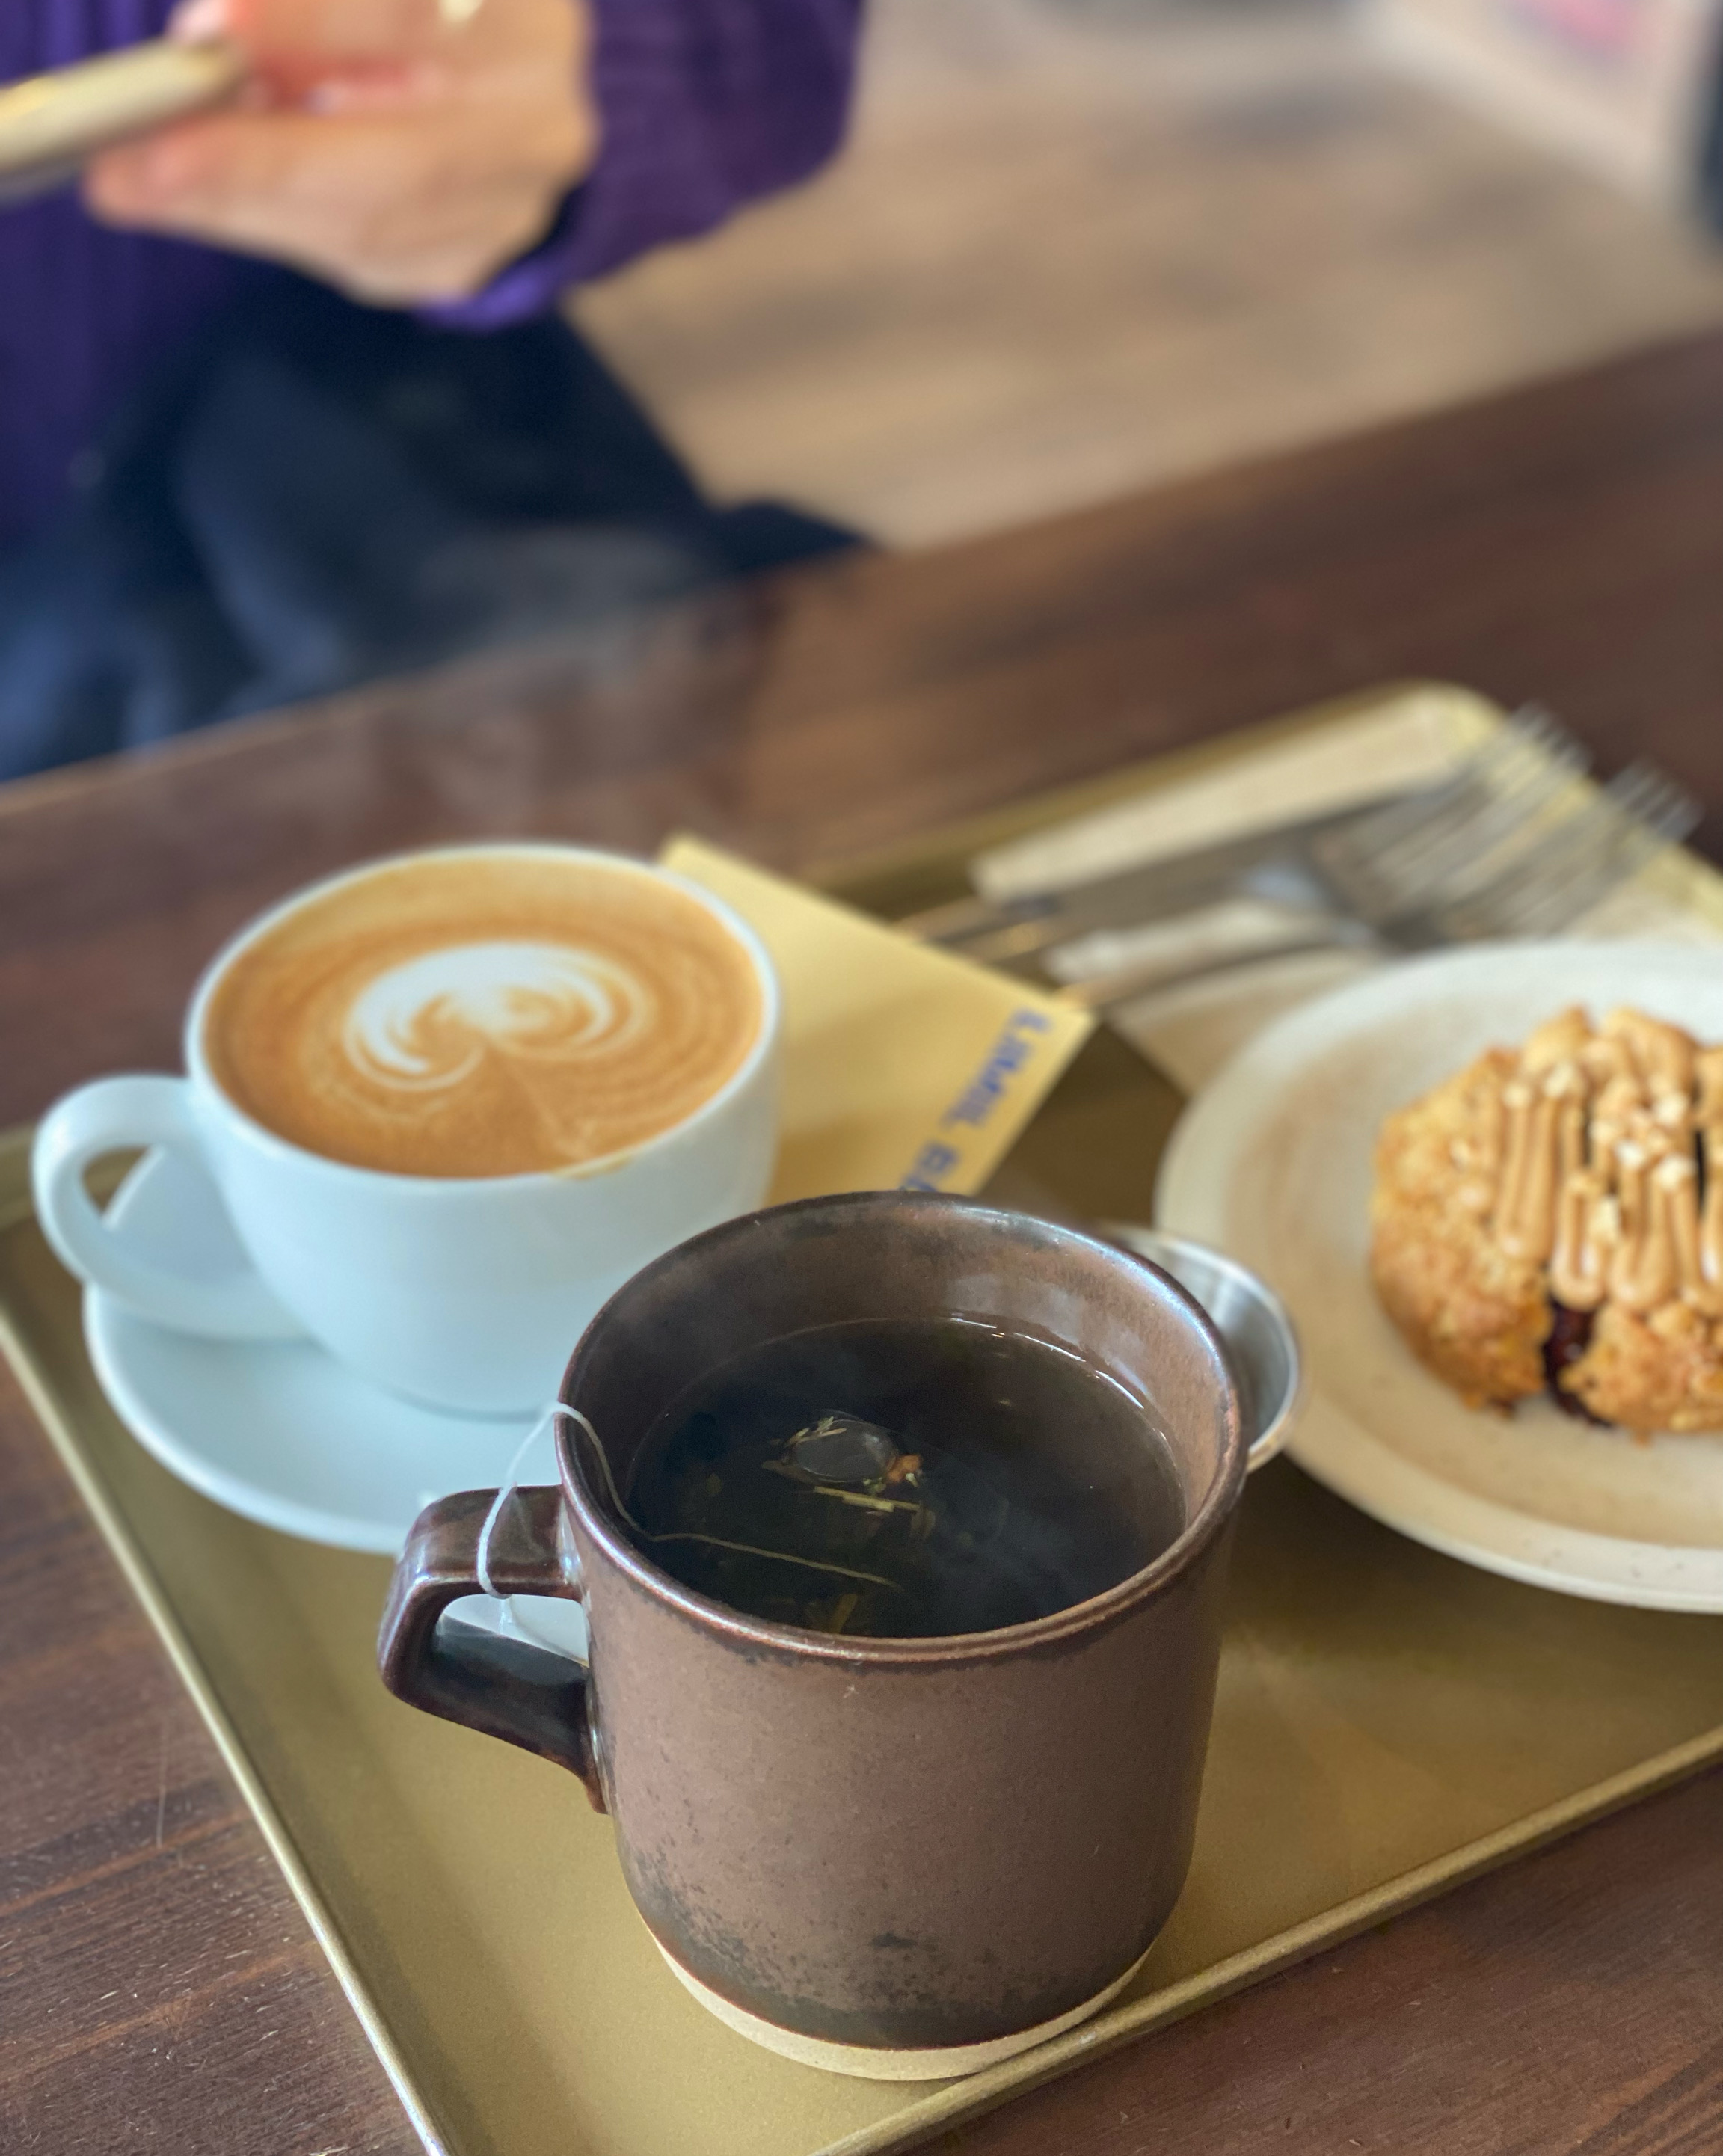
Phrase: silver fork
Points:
(1518, 864)
(1576, 862)
(1508, 780)
(1392, 861)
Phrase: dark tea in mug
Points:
(902, 1524)
(905, 1478)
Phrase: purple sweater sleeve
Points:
(704, 105)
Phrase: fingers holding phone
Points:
(402, 150)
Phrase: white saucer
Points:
(281, 1433)
(1271, 1164)
(278, 1431)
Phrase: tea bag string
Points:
(512, 1482)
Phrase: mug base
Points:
(938, 2063)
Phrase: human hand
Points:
(402, 150)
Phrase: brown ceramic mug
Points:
(903, 1857)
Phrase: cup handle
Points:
(102, 1118)
(505, 1688)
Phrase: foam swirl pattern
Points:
(484, 1014)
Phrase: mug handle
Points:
(102, 1118)
(505, 1688)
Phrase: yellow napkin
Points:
(904, 1066)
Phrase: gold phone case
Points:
(49, 124)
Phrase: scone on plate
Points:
(1551, 1218)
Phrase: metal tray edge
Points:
(1472, 713)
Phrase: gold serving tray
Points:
(1388, 1723)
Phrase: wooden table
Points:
(158, 1988)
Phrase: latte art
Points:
(432, 1021)
(485, 1013)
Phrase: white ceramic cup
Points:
(467, 1293)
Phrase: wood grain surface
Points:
(158, 1988)
(1076, 247)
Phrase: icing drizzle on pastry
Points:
(1591, 1160)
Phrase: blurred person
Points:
(285, 402)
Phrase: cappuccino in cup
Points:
(450, 1101)
(484, 1014)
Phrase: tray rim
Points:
(1475, 711)
(950, 2103)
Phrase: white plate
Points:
(1272, 1162)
